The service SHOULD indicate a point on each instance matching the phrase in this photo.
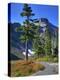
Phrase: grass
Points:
(47, 59)
(23, 68)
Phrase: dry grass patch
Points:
(25, 68)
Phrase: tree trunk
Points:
(27, 41)
(26, 51)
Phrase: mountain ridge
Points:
(14, 36)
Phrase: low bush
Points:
(25, 68)
(47, 59)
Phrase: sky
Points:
(40, 11)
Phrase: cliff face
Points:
(53, 30)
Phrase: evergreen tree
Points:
(26, 28)
(37, 45)
(47, 46)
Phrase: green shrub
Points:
(55, 59)
(18, 73)
(47, 59)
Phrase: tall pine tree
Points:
(27, 29)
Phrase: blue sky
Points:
(40, 11)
